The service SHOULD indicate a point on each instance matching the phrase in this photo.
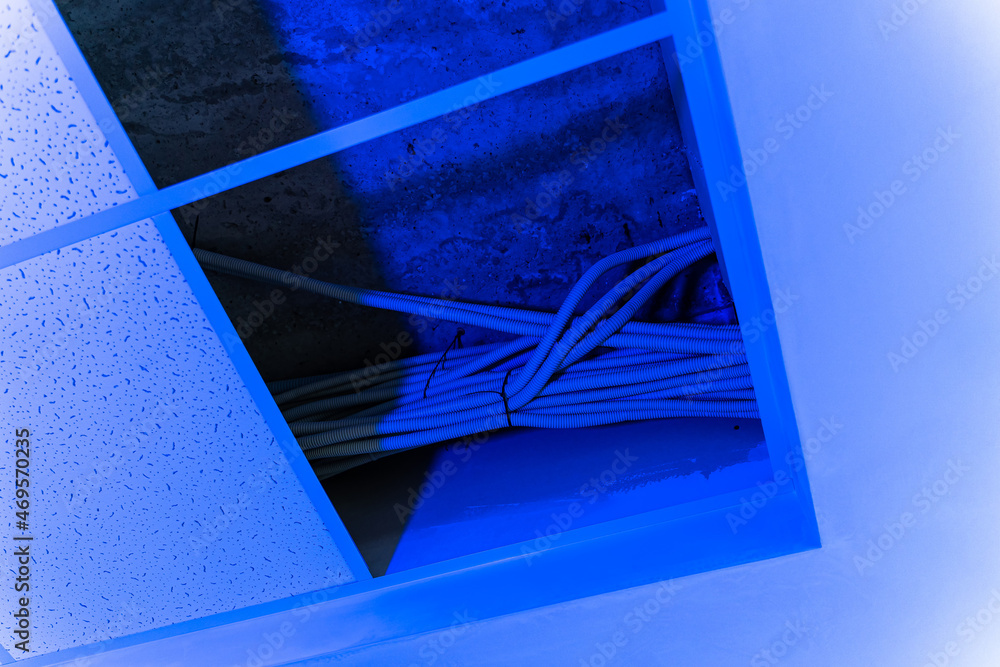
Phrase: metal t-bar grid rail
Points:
(700, 96)
(587, 561)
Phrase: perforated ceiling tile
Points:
(158, 492)
(55, 164)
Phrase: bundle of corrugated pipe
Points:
(562, 370)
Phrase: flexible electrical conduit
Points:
(661, 269)
(563, 369)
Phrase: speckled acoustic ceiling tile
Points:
(55, 164)
(158, 492)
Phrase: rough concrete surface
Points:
(429, 210)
